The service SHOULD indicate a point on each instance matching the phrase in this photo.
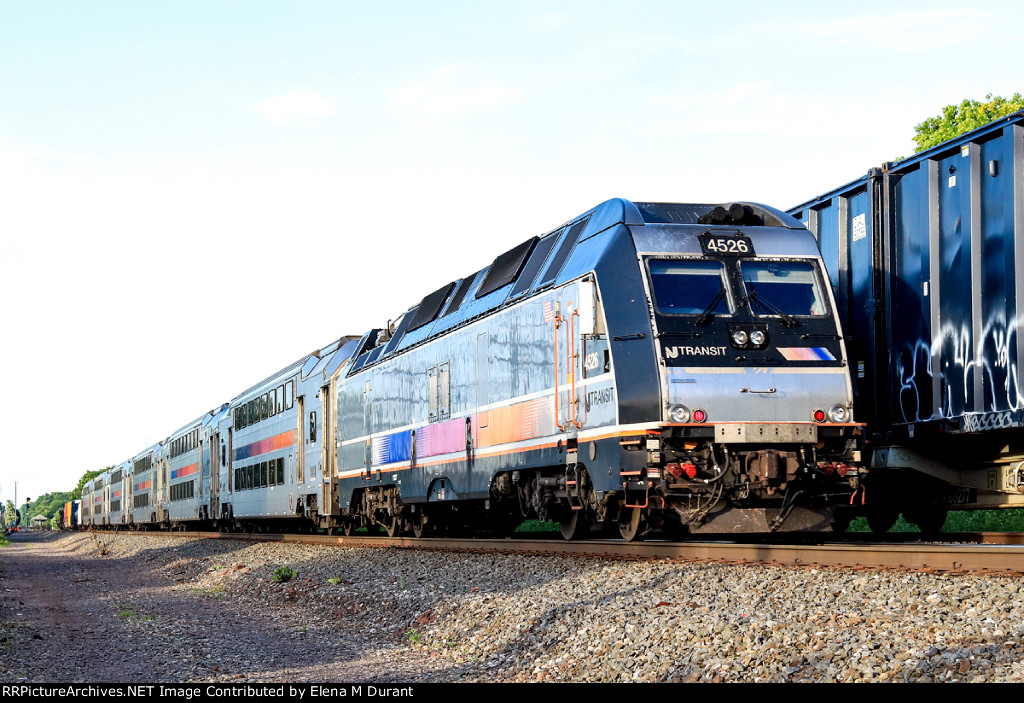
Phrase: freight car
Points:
(643, 366)
(926, 260)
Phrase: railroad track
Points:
(994, 553)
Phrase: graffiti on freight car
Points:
(956, 363)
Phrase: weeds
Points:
(415, 636)
(103, 548)
(283, 574)
(211, 592)
(1008, 520)
(334, 580)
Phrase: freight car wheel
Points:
(881, 519)
(929, 519)
(632, 524)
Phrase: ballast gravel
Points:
(129, 608)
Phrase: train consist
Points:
(926, 260)
(644, 366)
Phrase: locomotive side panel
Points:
(439, 422)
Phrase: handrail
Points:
(572, 369)
(558, 319)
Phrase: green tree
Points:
(48, 505)
(86, 477)
(958, 119)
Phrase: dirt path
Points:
(72, 614)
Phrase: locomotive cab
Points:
(756, 425)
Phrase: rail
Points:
(1002, 553)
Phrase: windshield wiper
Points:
(705, 316)
(764, 302)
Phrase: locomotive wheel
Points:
(348, 527)
(674, 530)
(841, 520)
(505, 525)
(420, 527)
(393, 525)
(574, 525)
(632, 524)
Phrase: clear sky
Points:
(194, 194)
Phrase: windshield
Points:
(689, 287)
(783, 288)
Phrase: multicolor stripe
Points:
(441, 438)
(392, 448)
(270, 444)
(185, 471)
(514, 423)
(115, 494)
(806, 354)
(143, 486)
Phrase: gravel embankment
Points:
(182, 610)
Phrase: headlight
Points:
(740, 337)
(679, 413)
(838, 413)
(757, 338)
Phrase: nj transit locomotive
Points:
(644, 366)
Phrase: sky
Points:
(195, 194)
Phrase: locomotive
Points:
(645, 366)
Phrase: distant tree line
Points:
(48, 505)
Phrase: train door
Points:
(162, 513)
(128, 494)
(312, 443)
(215, 475)
(300, 451)
(204, 468)
(328, 453)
